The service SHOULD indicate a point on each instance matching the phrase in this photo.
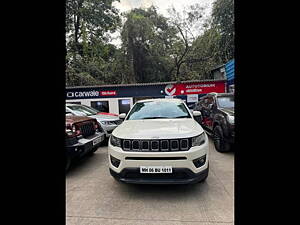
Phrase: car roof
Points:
(217, 94)
(71, 104)
(161, 100)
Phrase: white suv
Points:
(159, 142)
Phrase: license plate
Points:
(97, 140)
(155, 169)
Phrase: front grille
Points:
(87, 129)
(156, 145)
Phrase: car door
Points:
(210, 112)
(207, 112)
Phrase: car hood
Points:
(101, 117)
(229, 111)
(158, 129)
(76, 119)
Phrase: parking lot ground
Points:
(94, 197)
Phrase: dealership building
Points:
(120, 97)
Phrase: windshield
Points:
(84, 109)
(226, 101)
(158, 110)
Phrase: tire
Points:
(218, 137)
(68, 163)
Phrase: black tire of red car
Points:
(220, 144)
(68, 163)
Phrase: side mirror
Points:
(196, 113)
(197, 116)
(122, 115)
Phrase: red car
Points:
(83, 136)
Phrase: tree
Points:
(187, 23)
(146, 40)
(87, 25)
(223, 20)
(92, 18)
(206, 46)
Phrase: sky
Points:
(161, 5)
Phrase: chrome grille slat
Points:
(162, 143)
(142, 146)
(157, 144)
(171, 145)
(182, 144)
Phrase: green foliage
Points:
(88, 54)
(223, 20)
(146, 40)
(153, 49)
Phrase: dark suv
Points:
(218, 118)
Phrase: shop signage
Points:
(194, 88)
(108, 93)
(192, 98)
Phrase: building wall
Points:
(113, 102)
(185, 90)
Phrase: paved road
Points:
(94, 197)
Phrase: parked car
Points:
(107, 122)
(83, 136)
(159, 142)
(218, 118)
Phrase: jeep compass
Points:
(159, 142)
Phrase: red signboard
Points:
(108, 93)
(195, 88)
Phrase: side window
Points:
(102, 106)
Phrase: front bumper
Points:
(84, 145)
(180, 161)
(179, 176)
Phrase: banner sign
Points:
(108, 93)
(195, 88)
(192, 98)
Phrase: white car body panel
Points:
(158, 129)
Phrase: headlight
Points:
(115, 141)
(198, 140)
(230, 119)
(69, 132)
(73, 129)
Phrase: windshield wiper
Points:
(181, 117)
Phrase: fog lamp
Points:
(199, 161)
(114, 161)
